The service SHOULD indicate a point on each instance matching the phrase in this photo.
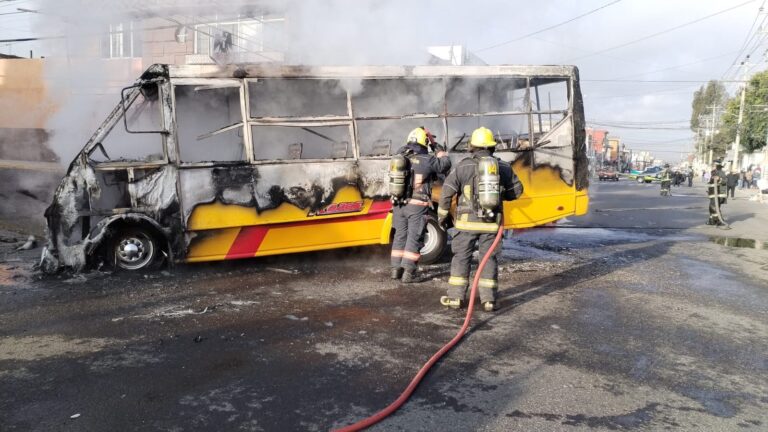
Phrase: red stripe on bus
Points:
(249, 238)
(247, 242)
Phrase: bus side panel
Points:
(309, 235)
(247, 211)
(546, 198)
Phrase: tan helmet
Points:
(482, 137)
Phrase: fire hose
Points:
(391, 408)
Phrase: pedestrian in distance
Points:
(731, 180)
(689, 174)
(480, 183)
(412, 171)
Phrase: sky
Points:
(620, 47)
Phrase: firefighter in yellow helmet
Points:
(481, 183)
(412, 170)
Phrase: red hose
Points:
(381, 415)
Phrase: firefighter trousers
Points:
(409, 222)
(463, 245)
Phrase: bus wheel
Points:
(134, 249)
(435, 240)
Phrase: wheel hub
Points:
(131, 249)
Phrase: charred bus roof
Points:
(297, 71)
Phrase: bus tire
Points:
(435, 241)
(134, 248)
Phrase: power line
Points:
(747, 39)
(632, 42)
(660, 81)
(654, 122)
(677, 66)
(548, 28)
(636, 127)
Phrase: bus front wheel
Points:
(435, 241)
(134, 249)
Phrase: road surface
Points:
(635, 317)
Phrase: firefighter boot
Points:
(409, 276)
(397, 272)
(452, 303)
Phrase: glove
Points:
(443, 222)
(437, 148)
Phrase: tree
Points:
(754, 125)
(713, 93)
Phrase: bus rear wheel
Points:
(435, 241)
(134, 249)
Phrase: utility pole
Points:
(737, 143)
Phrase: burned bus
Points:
(203, 163)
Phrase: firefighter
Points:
(717, 195)
(665, 180)
(411, 203)
(478, 215)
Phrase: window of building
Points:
(123, 40)
(240, 35)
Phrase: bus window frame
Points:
(118, 115)
(212, 83)
(330, 120)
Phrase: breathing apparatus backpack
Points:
(487, 187)
(400, 185)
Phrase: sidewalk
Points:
(747, 219)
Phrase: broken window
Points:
(301, 142)
(275, 97)
(385, 137)
(549, 96)
(398, 97)
(510, 131)
(481, 95)
(209, 123)
(142, 114)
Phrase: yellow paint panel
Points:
(217, 215)
(212, 243)
(325, 236)
(546, 198)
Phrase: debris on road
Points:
(279, 270)
(74, 416)
(30, 244)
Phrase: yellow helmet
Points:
(418, 136)
(482, 137)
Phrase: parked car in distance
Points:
(649, 175)
(607, 174)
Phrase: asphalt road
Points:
(631, 318)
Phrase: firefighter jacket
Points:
(425, 168)
(461, 182)
(717, 189)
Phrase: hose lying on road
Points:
(381, 415)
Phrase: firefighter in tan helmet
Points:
(481, 183)
(412, 170)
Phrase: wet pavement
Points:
(635, 317)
